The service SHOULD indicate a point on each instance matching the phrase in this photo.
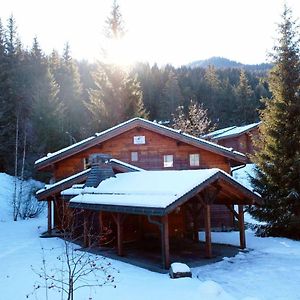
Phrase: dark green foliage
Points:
(49, 102)
(246, 103)
(278, 155)
(117, 97)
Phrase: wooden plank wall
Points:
(150, 155)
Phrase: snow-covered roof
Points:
(64, 183)
(230, 131)
(148, 189)
(104, 135)
(69, 181)
(124, 164)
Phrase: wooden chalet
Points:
(240, 138)
(138, 145)
(171, 210)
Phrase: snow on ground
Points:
(269, 270)
(6, 193)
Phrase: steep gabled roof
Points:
(229, 132)
(51, 158)
(57, 187)
(159, 192)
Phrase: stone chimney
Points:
(101, 169)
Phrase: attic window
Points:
(86, 163)
(139, 140)
(168, 161)
(194, 160)
(134, 156)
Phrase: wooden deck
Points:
(147, 254)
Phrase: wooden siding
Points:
(150, 154)
(242, 143)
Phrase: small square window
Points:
(194, 160)
(134, 156)
(86, 163)
(168, 161)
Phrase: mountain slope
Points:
(223, 63)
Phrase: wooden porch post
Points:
(101, 233)
(242, 227)
(208, 249)
(86, 238)
(165, 242)
(119, 234)
(49, 202)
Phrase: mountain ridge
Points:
(224, 63)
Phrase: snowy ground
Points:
(270, 270)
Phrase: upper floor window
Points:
(86, 163)
(168, 161)
(139, 140)
(134, 156)
(194, 160)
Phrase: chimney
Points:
(101, 169)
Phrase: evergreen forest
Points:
(49, 101)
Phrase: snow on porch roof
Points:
(154, 191)
(132, 123)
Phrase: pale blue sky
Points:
(163, 31)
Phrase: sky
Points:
(161, 31)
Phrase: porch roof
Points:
(159, 192)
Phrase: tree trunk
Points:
(15, 210)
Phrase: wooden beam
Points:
(49, 202)
(86, 234)
(119, 222)
(233, 211)
(101, 233)
(208, 248)
(165, 242)
(242, 227)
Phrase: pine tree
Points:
(47, 110)
(67, 77)
(195, 122)
(117, 94)
(245, 101)
(172, 97)
(278, 155)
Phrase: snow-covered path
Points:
(270, 271)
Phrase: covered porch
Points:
(150, 232)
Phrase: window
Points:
(139, 140)
(134, 156)
(86, 163)
(168, 161)
(194, 160)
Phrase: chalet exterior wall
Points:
(242, 143)
(150, 154)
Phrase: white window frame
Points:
(134, 156)
(86, 163)
(139, 140)
(168, 160)
(194, 159)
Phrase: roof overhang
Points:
(238, 195)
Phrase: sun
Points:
(120, 52)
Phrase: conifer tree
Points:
(47, 110)
(245, 101)
(67, 77)
(117, 94)
(278, 154)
